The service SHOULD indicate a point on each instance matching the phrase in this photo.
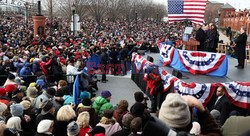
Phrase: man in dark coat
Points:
(104, 62)
(222, 104)
(113, 59)
(240, 48)
(201, 37)
(213, 39)
(124, 57)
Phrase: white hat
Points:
(44, 126)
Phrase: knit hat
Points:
(2, 91)
(44, 126)
(26, 104)
(46, 106)
(3, 107)
(73, 129)
(59, 93)
(108, 113)
(51, 91)
(32, 92)
(33, 84)
(106, 94)
(16, 110)
(137, 109)
(175, 112)
(10, 132)
(86, 102)
(84, 94)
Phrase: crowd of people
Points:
(37, 74)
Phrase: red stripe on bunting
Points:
(211, 93)
(216, 66)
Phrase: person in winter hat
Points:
(45, 128)
(73, 129)
(175, 113)
(102, 103)
(16, 110)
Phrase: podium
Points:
(191, 44)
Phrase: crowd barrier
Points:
(238, 93)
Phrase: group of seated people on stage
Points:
(37, 76)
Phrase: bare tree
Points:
(98, 9)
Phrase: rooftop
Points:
(228, 6)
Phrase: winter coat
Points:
(240, 49)
(100, 104)
(84, 131)
(119, 113)
(60, 128)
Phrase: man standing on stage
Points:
(240, 48)
(201, 37)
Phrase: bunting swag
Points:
(167, 80)
(139, 61)
(238, 93)
(199, 62)
(202, 92)
(167, 53)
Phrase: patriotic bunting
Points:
(167, 53)
(237, 92)
(199, 62)
(202, 92)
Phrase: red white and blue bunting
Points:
(167, 53)
(202, 92)
(167, 79)
(238, 93)
(199, 62)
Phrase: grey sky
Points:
(238, 4)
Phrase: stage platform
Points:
(233, 73)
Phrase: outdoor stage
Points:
(233, 73)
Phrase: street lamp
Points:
(136, 17)
(73, 8)
(26, 12)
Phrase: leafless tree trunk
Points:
(98, 9)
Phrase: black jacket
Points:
(41, 117)
(240, 49)
(201, 37)
(224, 107)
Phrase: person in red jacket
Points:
(153, 82)
(45, 64)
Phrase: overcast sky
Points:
(242, 4)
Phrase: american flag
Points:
(193, 10)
